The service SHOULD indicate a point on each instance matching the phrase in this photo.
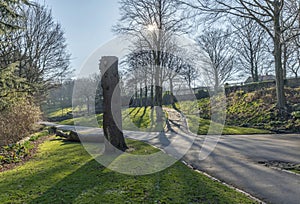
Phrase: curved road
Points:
(235, 160)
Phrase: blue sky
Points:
(87, 24)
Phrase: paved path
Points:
(234, 159)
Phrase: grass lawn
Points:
(139, 119)
(201, 126)
(58, 112)
(63, 172)
(135, 119)
(84, 121)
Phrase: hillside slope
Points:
(258, 110)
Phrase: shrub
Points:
(38, 135)
(14, 153)
(296, 114)
(18, 121)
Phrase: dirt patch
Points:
(175, 122)
(283, 165)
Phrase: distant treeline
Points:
(61, 97)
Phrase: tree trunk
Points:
(254, 68)
(136, 95)
(171, 91)
(157, 81)
(217, 81)
(285, 60)
(146, 93)
(281, 101)
(112, 118)
(152, 95)
(256, 78)
(88, 105)
(141, 95)
(158, 94)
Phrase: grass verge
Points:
(297, 171)
(63, 172)
(201, 126)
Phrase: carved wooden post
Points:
(112, 118)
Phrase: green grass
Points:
(135, 119)
(63, 172)
(37, 135)
(201, 126)
(139, 119)
(295, 171)
(59, 112)
(84, 121)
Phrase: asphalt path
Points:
(236, 160)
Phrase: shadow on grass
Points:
(65, 173)
(141, 118)
(73, 185)
(137, 112)
(129, 113)
(175, 108)
(92, 183)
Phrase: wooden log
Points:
(71, 136)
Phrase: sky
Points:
(87, 25)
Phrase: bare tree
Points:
(153, 22)
(251, 45)
(60, 96)
(218, 57)
(138, 16)
(9, 14)
(292, 58)
(40, 48)
(189, 72)
(13, 89)
(276, 17)
(176, 62)
(86, 91)
(139, 77)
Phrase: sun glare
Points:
(152, 27)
